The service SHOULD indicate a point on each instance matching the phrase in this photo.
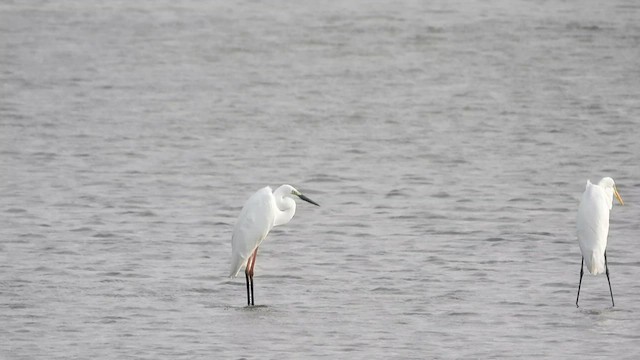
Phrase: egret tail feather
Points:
(595, 264)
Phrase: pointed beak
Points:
(308, 200)
(615, 192)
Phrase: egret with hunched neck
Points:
(264, 210)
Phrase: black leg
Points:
(252, 295)
(246, 275)
(609, 281)
(580, 283)
(252, 260)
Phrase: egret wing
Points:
(254, 223)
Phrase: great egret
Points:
(264, 210)
(593, 228)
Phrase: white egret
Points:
(593, 228)
(264, 210)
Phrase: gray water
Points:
(448, 143)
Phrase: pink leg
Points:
(252, 259)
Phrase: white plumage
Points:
(593, 226)
(254, 223)
(264, 210)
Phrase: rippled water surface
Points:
(448, 143)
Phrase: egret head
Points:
(284, 201)
(610, 186)
(297, 193)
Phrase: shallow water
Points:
(447, 142)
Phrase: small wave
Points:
(112, 319)
(15, 211)
(145, 213)
(111, 273)
(386, 290)
(404, 217)
(555, 284)
(104, 235)
(217, 223)
(511, 303)
(540, 233)
(396, 193)
(462, 313)
(521, 199)
(203, 290)
(322, 178)
(19, 306)
(32, 236)
(583, 27)
(441, 195)
(281, 276)
(245, 308)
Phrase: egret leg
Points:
(253, 264)
(580, 283)
(246, 275)
(609, 281)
